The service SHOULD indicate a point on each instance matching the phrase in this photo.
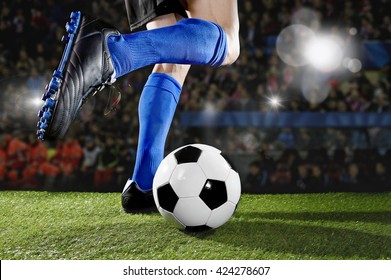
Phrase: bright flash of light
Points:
(290, 44)
(353, 31)
(36, 101)
(274, 102)
(354, 65)
(209, 107)
(324, 53)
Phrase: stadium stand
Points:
(340, 144)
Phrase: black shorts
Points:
(140, 12)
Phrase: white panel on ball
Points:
(187, 180)
(192, 211)
(171, 218)
(221, 215)
(214, 165)
(233, 187)
(165, 170)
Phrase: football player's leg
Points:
(225, 14)
(190, 41)
(161, 93)
(83, 72)
(156, 110)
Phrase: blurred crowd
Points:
(319, 171)
(100, 150)
(72, 164)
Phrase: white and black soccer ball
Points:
(196, 188)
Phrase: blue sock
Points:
(157, 106)
(190, 41)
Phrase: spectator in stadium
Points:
(333, 177)
(244, 102)
(248, 140)
(125, 162)
(351, 178)
(3, 160)
(381, 178)
(316, 180)
(70, 153)
(37, 155)
(107, 163)
(301, 177)
(17, 156)
(380, 103)
(24, 63)
(30, 176)
(89, 162)
(318, 156)
(342, 106)
(256, 180)
(304, 138)
(385, 28)
(281, 178)
(49, 173)
(286, 138)
(264, 161)
(35, 80)
(38, 152)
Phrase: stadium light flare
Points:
(274, 102)
(353, 31)
(299, 45)
(27, 100)
(323, 53)
(36, 101)
(290, 44)
(209, 107)
(354, 65)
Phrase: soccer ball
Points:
(196, 188)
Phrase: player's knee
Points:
(233, 54)
(233, 50)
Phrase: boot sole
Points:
(52, 89)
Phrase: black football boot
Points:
(85, 68)
(135, 200)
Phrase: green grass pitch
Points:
(42, 225)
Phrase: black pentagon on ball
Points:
(202, 228)
(214, 193)
(167, 197)
(188, 154)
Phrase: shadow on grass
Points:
(379, 217)
(275, 232)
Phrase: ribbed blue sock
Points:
(156, 110)
(190, 41)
